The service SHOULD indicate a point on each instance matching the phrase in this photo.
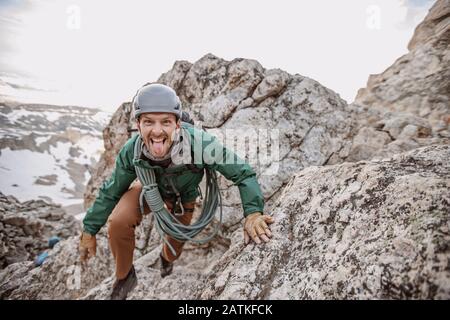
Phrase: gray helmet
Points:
(156, 97)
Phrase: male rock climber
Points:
(157, 110)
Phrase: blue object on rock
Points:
(52, 241)
(40, 259)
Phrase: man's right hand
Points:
(88, 246)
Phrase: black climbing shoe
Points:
(166, 266)
(121, 288)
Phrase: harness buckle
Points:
(178, 201)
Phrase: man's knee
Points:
(116, 226)
(122, 220)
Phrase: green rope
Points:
(167, 223)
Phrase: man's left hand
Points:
(256, 227)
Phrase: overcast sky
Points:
(97, 53)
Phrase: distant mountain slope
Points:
(46, 151)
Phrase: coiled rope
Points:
(167, 223)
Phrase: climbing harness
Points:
(167, 223)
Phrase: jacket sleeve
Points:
(111, 190)
(234, 168)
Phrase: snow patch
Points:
(92, 148)
(41, 140)
(61, 152)
(20, 169)
(17, 114)
(102, 117)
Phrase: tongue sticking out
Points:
(158, 147)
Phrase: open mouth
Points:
(158, 141)
(158, 145)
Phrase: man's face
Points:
(158, 130)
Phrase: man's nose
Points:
(157, 129)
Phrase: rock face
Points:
(417, 84)
(408, 105)
(377, 229)
(371, 229)
(435, 25)
(26, 228)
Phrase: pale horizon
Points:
(98, 53)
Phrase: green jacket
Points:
(186, 181)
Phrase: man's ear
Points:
(138, 125)
(178, 123)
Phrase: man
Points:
(158, 119)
